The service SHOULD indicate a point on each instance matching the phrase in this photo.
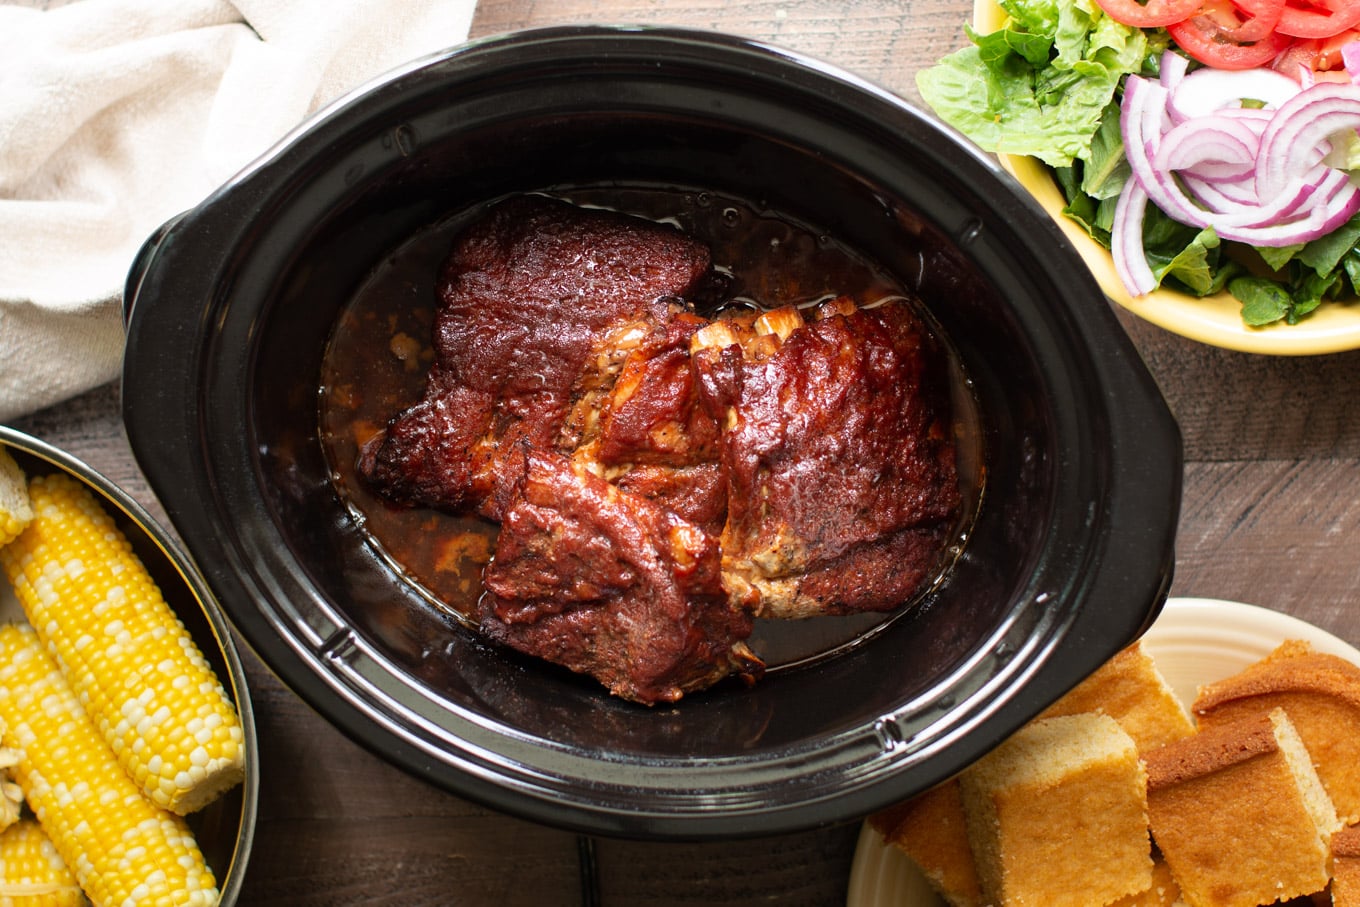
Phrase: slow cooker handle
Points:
(141, 264)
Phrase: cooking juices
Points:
(376, 363)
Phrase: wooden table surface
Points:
(1271, 515)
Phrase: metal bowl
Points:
(225, 828)
(230, 307)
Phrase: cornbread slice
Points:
(1320, 693)
(1346, 867)
(931, 830)
(1163, 892)
(1131, 690)
(1057, 815)
(1239, 814)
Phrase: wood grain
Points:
(1234, 406)
(884, 42)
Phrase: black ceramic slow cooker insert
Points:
(230, 306)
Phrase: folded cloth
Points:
(115, 115)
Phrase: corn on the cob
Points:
(15, 510)
(32, 873)
(137, 671)
(123, 849)
(11, 797)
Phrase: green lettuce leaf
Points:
(1040, 85)
(1278, 257)
(1263, 301)
(1188, 255)
(1324, 254)
(1106, 170)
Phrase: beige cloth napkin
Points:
(116, 115)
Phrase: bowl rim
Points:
(232, 878)
(1215, 320)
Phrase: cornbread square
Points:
(1346, 867)
(1321, 695)
(1057, 815)
(931, 830)
(1131, 690)
(1164, 892)
(1239, 814)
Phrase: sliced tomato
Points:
(1329, 54)
(1150, 14)
(1242, 21)
(1319, 55)
(1210, 43)
(1301, 54)
(1318, 18)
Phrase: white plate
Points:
(1194, 641)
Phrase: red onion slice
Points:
(1173, 69)
(1209, 139)
(1126, 241)
(1350, 58)
(1302, 124)
(1256, 176)
(1207, 91)
(1219, 194)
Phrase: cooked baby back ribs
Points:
(609, 584)
(661, 478)
(840, 467)
(538, 303)
(652, 436)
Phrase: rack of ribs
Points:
(662, 479)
